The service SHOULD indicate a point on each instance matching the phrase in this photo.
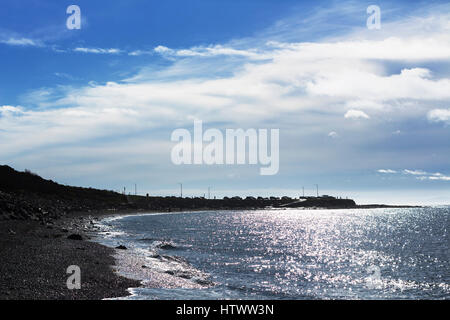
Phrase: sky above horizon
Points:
(362, 113)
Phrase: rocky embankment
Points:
(25, 195)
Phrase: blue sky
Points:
(363, 113)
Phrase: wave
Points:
(165, 245)
(146, 260)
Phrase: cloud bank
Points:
(302, 88)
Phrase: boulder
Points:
(75, 237)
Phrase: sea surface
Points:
(290, 254)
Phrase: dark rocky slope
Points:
(25, 195)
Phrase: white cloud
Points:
(298, 78)
(211, 51)
(414, 172)
(98, 50)
(356, 114)
(23, 42)
(163, 49)
(435, 176)
(439, 176)
(333, 134)
(10, 110)
(419, 174)
(64, 75)
(386, 171)
(326, 77)
(439, 115)
(140, 52)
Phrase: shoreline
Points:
(35, 256)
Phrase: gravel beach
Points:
(35, 256)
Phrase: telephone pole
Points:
(317, 188)
(181, 189)
(209, 192)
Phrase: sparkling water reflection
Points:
(303, 254)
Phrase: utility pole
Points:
(303, 191)
(209, 192)
(317, 188)
(135, 189)
(181, 189)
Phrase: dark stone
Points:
(121, 247)
(75, 237)
(166, 246)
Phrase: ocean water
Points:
(288, 254)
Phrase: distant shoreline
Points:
(25, 195)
